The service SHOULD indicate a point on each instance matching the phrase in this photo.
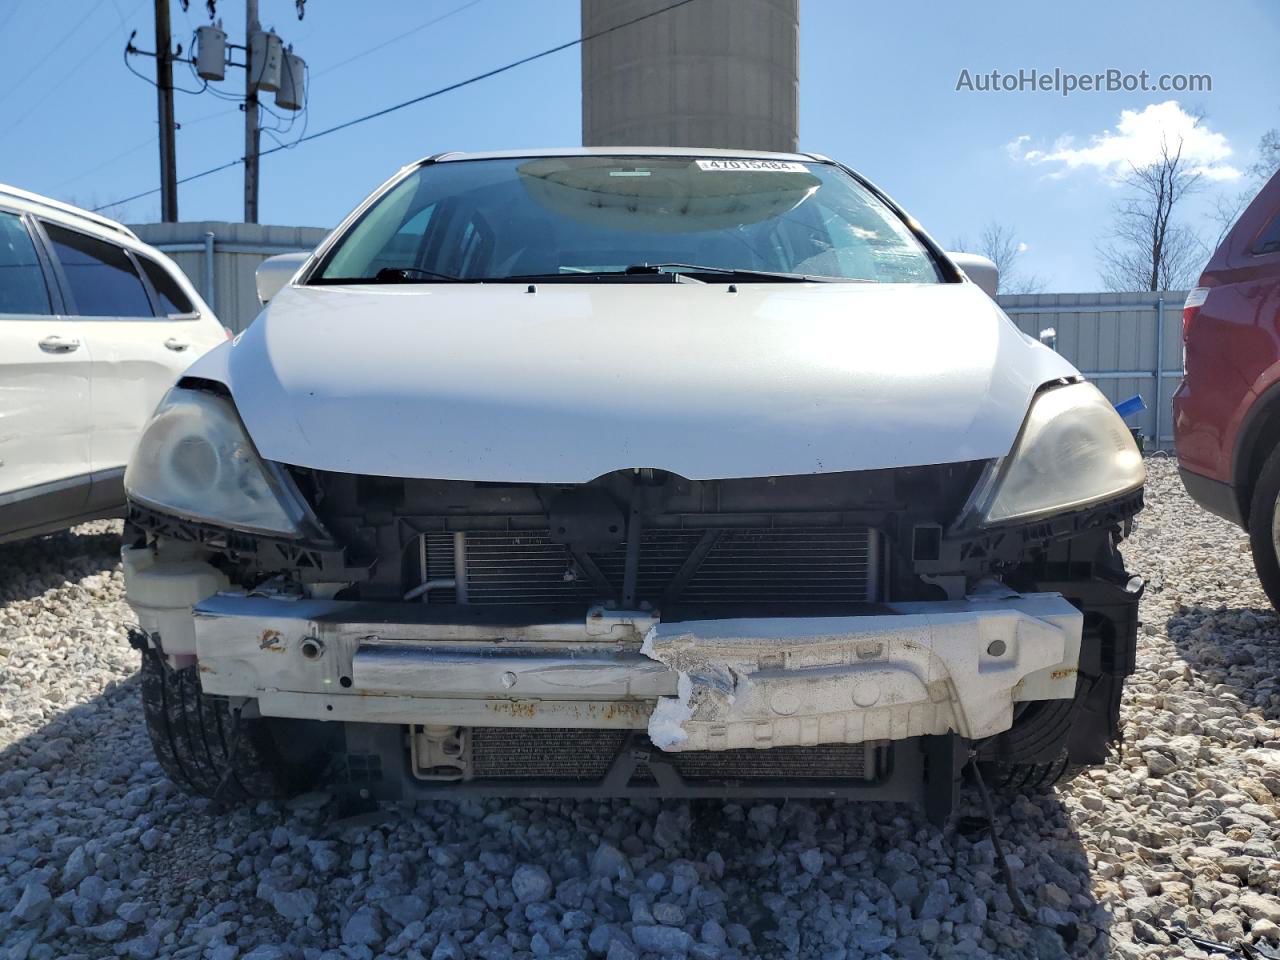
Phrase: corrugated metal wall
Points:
(236, 251)
(1112, 338)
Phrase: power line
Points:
(68, 74)
(305, 112)
(396, 39)
(106, 163)
(13, 8)
(48, 57)
(414, 100)
(287, 127)
(142, 76)
(181, 180)
(236, 98)
(120, 14)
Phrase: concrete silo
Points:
(711, 73)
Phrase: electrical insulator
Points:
(211, 53)
(292, 94)
(265, 55)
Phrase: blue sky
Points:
(877, 90)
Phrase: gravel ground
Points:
(101, 856)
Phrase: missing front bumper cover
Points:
(928, 669)
(922, 669)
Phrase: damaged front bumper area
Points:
(918, 669)
(921, 669)
(621, 703)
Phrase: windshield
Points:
(550, 217)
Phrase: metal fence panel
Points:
(220, 259)
(1112, 338)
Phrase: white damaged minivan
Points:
(628, 472)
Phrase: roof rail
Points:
(66, 208)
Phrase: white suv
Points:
(94, 327)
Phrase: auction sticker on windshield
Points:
(778, 166)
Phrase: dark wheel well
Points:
(1260, 436)
(209, 750)
(1261, 532)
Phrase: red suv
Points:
(1226, 413)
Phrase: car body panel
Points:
(763, 608)
(135, 361)
(70, 415)
(44, 402)
(1232, 357)
(489, 382)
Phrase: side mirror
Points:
(274, 272)
(978, 269)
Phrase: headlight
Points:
(1074, 450)
(195, 460)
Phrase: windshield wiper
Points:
(401, 274)
(670, 269)
(677, 272)
(390, 275)
(719, 271)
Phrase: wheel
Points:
(209, 750)
(1264, 527)
(1035, 753)
(1018, 778)
(1053, 741)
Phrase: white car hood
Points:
(494, 383)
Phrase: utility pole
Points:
(164, 100)
(269, 67)
(251, 132)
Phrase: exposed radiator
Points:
(785, 565)
(573, 754)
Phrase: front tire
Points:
(1022, 779)
(1264, 527)
(1033, 756)
(208, 749)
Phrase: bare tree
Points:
(1227, 208)
(1148, 249)
(999, 244)
(1268, 161)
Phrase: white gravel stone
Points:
(1176, 832)
(1264, 930)
(530, 883)
(295, 904)
(1257, 907)
(34, 903)
(608, 861)
(362, 929)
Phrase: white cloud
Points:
(1014, 146)
(1022, 247)
(1136, 140)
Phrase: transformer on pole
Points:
(268, 65)
(211, 52)
(292, 94)
(265, 56)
